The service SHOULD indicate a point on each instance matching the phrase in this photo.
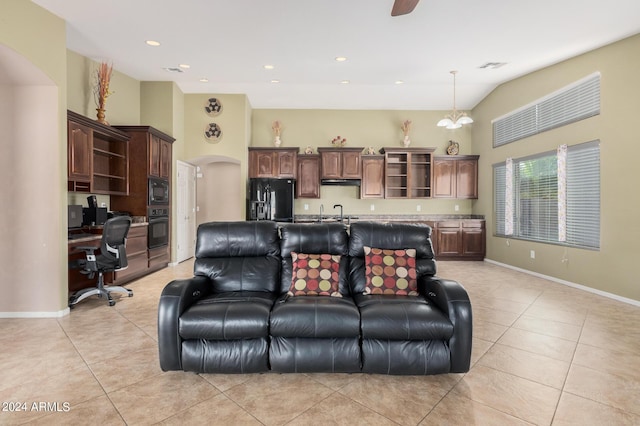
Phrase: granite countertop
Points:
(306, 218)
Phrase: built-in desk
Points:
(137, 256)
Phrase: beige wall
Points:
(365, 128)
(232, 147)
(612, 268)
(33, 278)
(123, 105)
(219, 202)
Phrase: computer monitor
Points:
(74, 216)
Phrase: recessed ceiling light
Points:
(152, 43)
(345, 82)
(340, 58)
(268, 67)
(204, 80)
(185, 66)
(399, 82)
(275, 81)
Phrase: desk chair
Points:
(112, 257)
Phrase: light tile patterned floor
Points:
(543, 354)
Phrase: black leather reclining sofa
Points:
(237, 314)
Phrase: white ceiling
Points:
(229, 42)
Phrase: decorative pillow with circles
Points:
(315, 275)
(391, 271)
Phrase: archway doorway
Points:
(218, 189)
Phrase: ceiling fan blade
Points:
(402, 7)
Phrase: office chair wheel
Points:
(112, 302)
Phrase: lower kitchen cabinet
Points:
(460, 239)
(158, 258)
(136, 256)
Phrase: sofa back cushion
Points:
(239, 256)
(314, 238)
(394, 236)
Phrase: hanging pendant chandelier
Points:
(456, 119)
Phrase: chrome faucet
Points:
(341, 215)
(321, 212)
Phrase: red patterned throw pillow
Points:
(315, 275)
(391, 271)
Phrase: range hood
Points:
(340, 182)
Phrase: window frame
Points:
(578, 217)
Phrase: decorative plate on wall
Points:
(213, 133)
(213, 107)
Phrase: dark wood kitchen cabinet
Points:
(308, 179)
(273, 162)
(455, 176)
(340, 163)
(160, 154)
(97, 157)
(407, 172)
(460, 239)
(372, 184)
(79, 152)
(150, 156)
(137, 260)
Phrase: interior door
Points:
(186, 211)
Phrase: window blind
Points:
(536, 193)
(535, 197)
(583, 195)
(572, 103)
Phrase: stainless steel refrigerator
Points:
(270, 199)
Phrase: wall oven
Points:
(158, 192)
(158, 234)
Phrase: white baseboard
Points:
(57, 314)
(568, 283)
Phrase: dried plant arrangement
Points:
(101, 89)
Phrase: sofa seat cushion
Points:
(317, 317)
(402, 318)
(228, 316)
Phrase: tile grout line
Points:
(92, 374)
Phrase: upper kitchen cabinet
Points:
(273, 162)
(154, 147)
(159, 156)
(340, 163)
(151, 157)
(97, 157)
(372, 185)
(408, 172)
(308, 180)
(79, 153)
(455, 176)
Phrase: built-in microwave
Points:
(158, 192)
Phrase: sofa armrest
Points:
(176, 297)
(451, 297)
